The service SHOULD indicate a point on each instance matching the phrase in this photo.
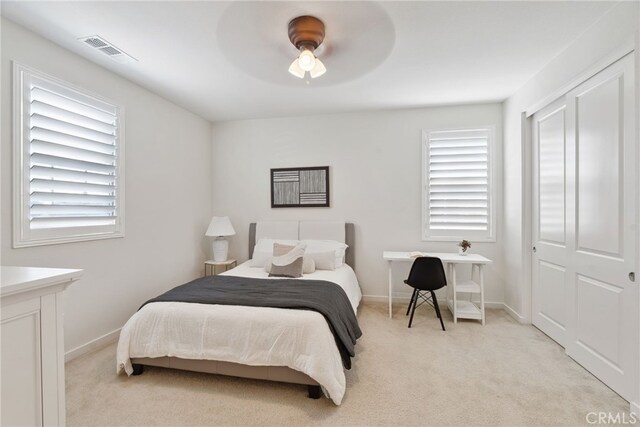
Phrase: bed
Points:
(277, 344)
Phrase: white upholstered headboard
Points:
(283, 230)
(305, 230)
(322, 230)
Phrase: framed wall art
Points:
(300, 187)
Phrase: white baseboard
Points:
(405, 299)
(514, 314)
(634, 408)
(92, 345)
(378, 298)
(489, 304)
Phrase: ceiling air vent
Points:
(98, 43)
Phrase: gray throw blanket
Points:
(325, 297)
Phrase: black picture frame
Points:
(303, 187)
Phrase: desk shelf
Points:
(468, 286)
(463, 309)
(466, 310)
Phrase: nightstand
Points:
(212, 266)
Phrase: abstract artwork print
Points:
(300, 187)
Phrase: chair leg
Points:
(435, 305)
(413, 310)
(413, 295)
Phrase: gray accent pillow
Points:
(279, 249)
(308, 265)
(287, 261)
(292, 270)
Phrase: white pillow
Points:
(324, 260)
(263, 250)
(308, 265)
(325, 245)
(260, 258)
(319, 250)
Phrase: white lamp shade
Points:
(318, 70)
(296, 70)
(220, 226)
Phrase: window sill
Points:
(459, 238)
(56, 241)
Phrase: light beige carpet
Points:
(501, 374)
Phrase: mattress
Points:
(256, 336)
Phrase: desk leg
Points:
(455, 294)
(449, 297)
(390, 290)
(481, 274)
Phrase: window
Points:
(68, 165)
(457, 191)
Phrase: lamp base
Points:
(220, 249)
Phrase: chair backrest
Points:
(427, 274)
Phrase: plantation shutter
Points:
(73, 157)
(457, 185)
(69, 152)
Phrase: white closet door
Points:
(602, 325)
(549, 269)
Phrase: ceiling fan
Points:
(306, 33)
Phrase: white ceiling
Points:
(229, 60)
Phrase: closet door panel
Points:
(602, 311)
(549, 235)
(553, 294)
(551, 178)
(598, 330)
(599, 168)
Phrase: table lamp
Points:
(219, 227)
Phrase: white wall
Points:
(375, 174)
(613, 30)
(168, 201)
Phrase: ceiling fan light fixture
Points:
(318, 70)
(306, 33)
(306, 60)
(296, 70)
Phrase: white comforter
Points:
(259, 336)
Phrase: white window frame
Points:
(489, 235)
(23, 235)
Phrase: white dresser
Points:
(32, 343)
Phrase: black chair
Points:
(426, 276)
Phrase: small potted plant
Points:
(463, 247)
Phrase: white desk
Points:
(460, 309)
